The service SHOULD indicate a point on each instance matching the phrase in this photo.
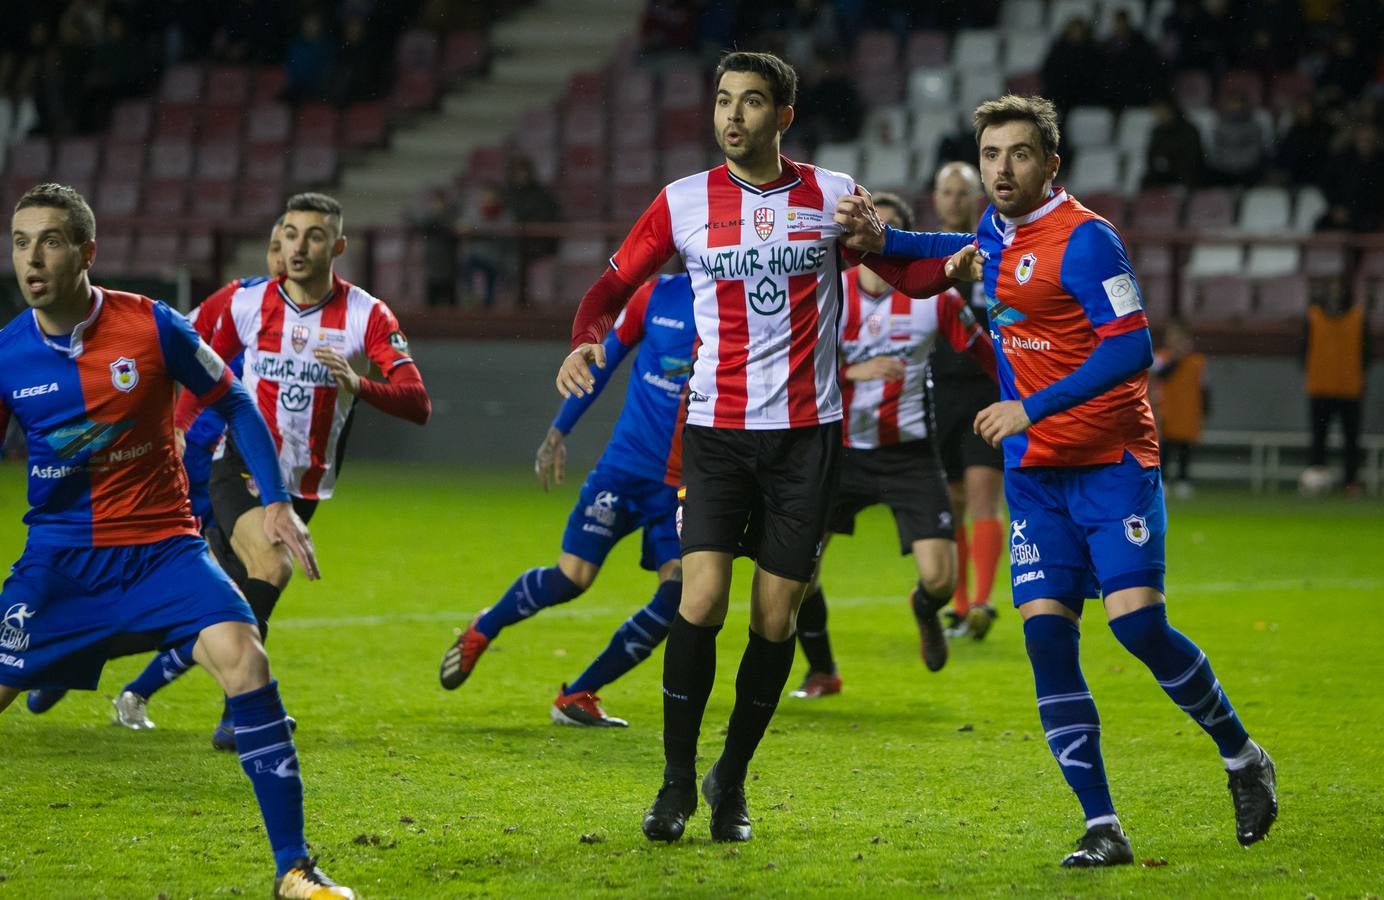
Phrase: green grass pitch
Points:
(908, 784)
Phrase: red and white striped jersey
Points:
(766, 281)
(881, 413)
(297, 395)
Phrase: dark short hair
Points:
(900, 206)
(1039, 111)
(782, 78)
(59, 196)
(311, 201)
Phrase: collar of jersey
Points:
(74, 349)
(785, 182)
(1009, 226)
(305, 310)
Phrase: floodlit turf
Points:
(907, 784)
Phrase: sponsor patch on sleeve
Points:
(1123, 294)
(399, 342)
(208, 360)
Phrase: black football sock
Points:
(763, 673)
(689, 671)
(261, 595)
(812, 633)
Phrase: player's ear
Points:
(339, 247)
(88, 253)
(785, 118)
(1054, 163)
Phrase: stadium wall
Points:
(493, 401)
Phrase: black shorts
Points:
(957, 403)
(905, 477)
(234, 493)
(761, 494)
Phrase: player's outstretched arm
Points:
(282, 526)
(550, 462)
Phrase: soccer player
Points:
(974, 468)
(890, 456)
(634, 485)
(1081, 461)
(199, 443)
(301, 334)
(112, 545)
(763, 426)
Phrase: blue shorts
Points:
(613, 504)
(63, 605)
(1086, 531)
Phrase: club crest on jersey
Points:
(124, 374)
(299, 337)
(1024, 270)
(1136, 530)
(874, 323)
(764, 222)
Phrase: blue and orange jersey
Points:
(97, 410)
(1057, 282)
(647, 440)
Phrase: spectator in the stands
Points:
(531, 202)
(1068, 72)
(309, 63)
(830, 108)
(1237, 142)
(437, 223)
(1174, 157)
(1133, 68)
(1346, 71)
(485, 253)
(1353, 183)
(361, 67)
(1303, 150)
(668, 28)
(251, 30)
(1192, 37)
(118, 67)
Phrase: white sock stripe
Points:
(1070, 729)
(177, 660)
(1215, 693)
(1185, 676)
(1063, 698)
(635, 625)
(656, 617)
(247, 729)
(272, 748)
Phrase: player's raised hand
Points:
(550, 463)
(1000, 420)
(859, 220)
(574, 378)
(282, 526)
(346, 377)
(965, 265)
(883, 368)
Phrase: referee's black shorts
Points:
(905, 477)
(761, 494)
(956, 402)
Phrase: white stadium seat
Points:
(1097, 169)
(1271, 261)
(1209, 260)
(1264, 209)
(1025, 15)
(1089, 126)
(1309, 208)
(1063, 11)
(931, 89)
(978, 86)
(1024, 51)
(976, 49)
(1132, 133)
(838, 157)
(888, 167)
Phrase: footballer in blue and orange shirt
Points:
(112, 546)
(1082, 475)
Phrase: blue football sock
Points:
(633, 641)
(1184, 673)
(265, 745)
(534, 590)
(1067, 712)
(163, 669)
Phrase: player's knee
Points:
(774, 623)
(7, 695)
(939, 585)
(271, 564)
(1142, 630)
(579, 572)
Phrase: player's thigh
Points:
(936, 561)
(7, 695)
(1048, 555)
(604, 513)
(797, 475)
(719, 492)
(1121, 511)
(705, 586)
(774, 602)
(984, 484)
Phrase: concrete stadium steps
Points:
(535, 53)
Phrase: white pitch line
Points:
(579, 610)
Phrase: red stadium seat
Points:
(267, 162)
(270, 123)
(313, 164)
(171, 159)
(634, 89)
(582, 201)
(683, 126)
(228, 86)
(1157, 293)
(590, 87)
(1192, 89)
(31, 158)
(583, 125)
(131, 121)
(464, 53)
(181, 84)
(627, 202)
(260, 200)
(683, 87)
(269, 84)
(199, 247)
(416, 51)
(176, 121)
(1324, 262)
(1109, 205)
(875, 51)
(223, 123)
(167, 197)
(635, 165)
(415, 90)
(156, 250)
(635, 126)
(77, 158)
(487, 164)
(1159, 208)
(1287, 88)
(927, 49)
(116, 197)
(540, 282)
(1152, 260)
(365, 125)
(317, 124)
(1211, 208)
(214, 200)
(683, 160)
(1247, 84)
(218, 162)
(1219, 299)
(1282, 299)
(1024, 83)
(112, 253)
(124, 161)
